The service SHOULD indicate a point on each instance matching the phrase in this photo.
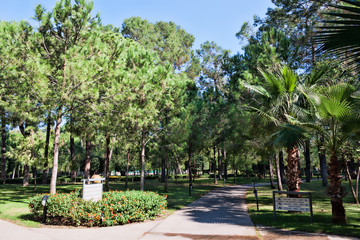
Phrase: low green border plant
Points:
(116, 208)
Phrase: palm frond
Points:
(333, 108)
(258, 89)
(341, 35)
(273, 81)
(289, 135)
(290, 79)
(264, 115)
(315, 75)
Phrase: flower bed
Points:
(115, 208)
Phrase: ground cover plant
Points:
(321, 207)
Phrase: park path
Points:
(220, 214)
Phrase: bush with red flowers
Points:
(116, 208)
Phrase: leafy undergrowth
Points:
(301, 221)
(116, 208)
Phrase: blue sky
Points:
(212, 20)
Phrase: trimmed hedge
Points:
(132, 178)
(116, 208)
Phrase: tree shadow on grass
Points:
(28, 217)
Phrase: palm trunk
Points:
(3, 146)
(56, 152)
(278, 175)
(271, 173)
(336, 191)
(142, 163)
(307, 161)
(292, 174)
(46, 153)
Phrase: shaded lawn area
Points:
(14, 197)
(301, 221)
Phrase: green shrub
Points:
(115, 208)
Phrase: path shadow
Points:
(221, 206)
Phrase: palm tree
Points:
(276, 101)
(341, 34)
(336, 107)
(291, 137)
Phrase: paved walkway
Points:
(220, 214)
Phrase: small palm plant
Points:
(336, 108)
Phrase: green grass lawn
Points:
(321, 208)
(14, 197)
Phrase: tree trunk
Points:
(357, 178)
(215, 178)
(225, 164)
(127, 169)
(108, 151)
(142, 163)
(163, 164)
(292, 174)
(220, 165)
(264, 170)
(336, 191)
(56, 152)
(282, 167)
(34, 170)
(3, 147)
(88, 147)
(356, 199)
(271, 173)
(167, 170)
(210, 165)
(349, 175)
(278, 175)
(189, 167)
(72, 158)
(322, 159)
(26, 176)
(13, 173)
(46, 153)
(307, 161)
